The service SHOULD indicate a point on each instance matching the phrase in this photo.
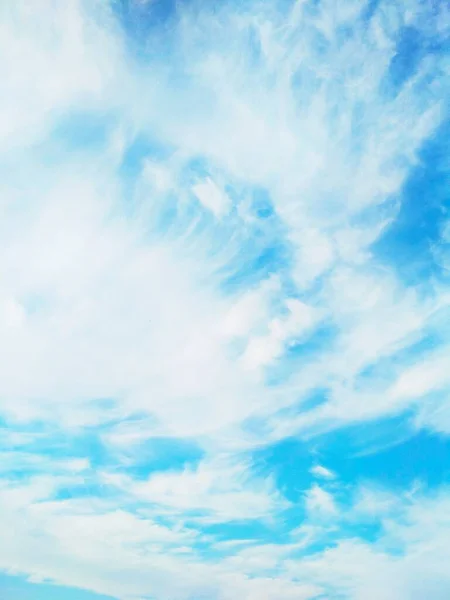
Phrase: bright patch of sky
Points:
(224, 300)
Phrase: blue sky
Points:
(224, 300)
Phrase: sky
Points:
(224, 300)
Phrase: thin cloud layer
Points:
(224, 302)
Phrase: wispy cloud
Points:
(196, 272)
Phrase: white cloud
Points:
(220, 490)
(55, 57)
(421, 379)
(320, 502)
(374, 503)
(407, 560)
(56, 265)
(212, 198)
(262, 350)
(89, 544)
(322, 472)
